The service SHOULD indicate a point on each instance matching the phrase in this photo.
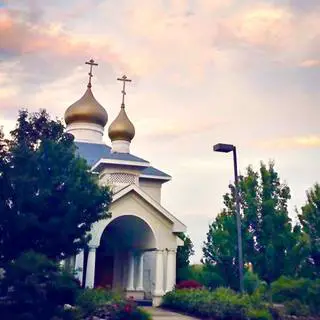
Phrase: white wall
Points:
(152, 188)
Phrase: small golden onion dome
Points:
(121, 128)
(86, 109)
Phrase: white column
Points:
(78, 267)
(140, 272)
(158, 291)
(62, 264)
(130, 283)
(171, 270)
(91, 265)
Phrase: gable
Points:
(149, 202)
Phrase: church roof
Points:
(153, 172)
(93, 152)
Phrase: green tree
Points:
(48, 197)
(268, 238)
(310, 222)
(220, 247)
(183, 257)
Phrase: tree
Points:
(267, 232)
(220, 247)
(183, 257)
(49, 198)
(310, 222)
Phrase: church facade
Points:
(134, 251)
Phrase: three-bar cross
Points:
(91, 63)
(124, 79)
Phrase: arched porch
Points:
(128, 258)
(126, 245)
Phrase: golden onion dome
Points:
(86, 109)
(121, 128)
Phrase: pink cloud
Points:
(310, 63)
(19, 37)
(308, 141)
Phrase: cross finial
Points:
(91, 63)
(124, 79)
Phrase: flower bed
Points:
(103, 304)
(219, 304)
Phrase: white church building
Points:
(134, 251)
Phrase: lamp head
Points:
(223, 147)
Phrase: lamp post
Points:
(226, 148)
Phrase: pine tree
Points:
(310, 222)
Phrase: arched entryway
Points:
(125, 257)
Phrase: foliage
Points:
(259, 314)
(189, 284)
(296, 308)
(48, 196)
(251, 282)
(221, 304)
(306, 291)
(268, 236)
(310, 221)
(183, 256)
(207, 276)
(91, 299)
(127, 309)
(106, 304)
(203, 274)
(34, 286)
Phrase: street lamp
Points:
(225, 148)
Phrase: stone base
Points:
(156, 301)
(135, 294)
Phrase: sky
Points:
(244, 72)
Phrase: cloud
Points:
(47, 46)
(310, 63)
(309, 141)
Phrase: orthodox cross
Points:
(124, 79)
(91, 63)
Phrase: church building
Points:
(134, 251)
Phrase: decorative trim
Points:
(178, 226)
(120, 162)
(146, 176)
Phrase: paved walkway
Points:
(161, 314)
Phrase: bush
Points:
(35, 288)
(251, 282)
(296, 308)
(120, 310)
(211, 280)
(189, 284)
(303, 290)
(128, 309)
(221, 304)
(287, 289)
(259, 314)
(88, 300)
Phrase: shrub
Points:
(211, 280)
(221, 304)
(189, 284)
(35, 288)
(120, 310)
(127, 309)
(287, 289)
(303, 290)
(251, 282)
(89, 300)
(259, 314)
(296, 308)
